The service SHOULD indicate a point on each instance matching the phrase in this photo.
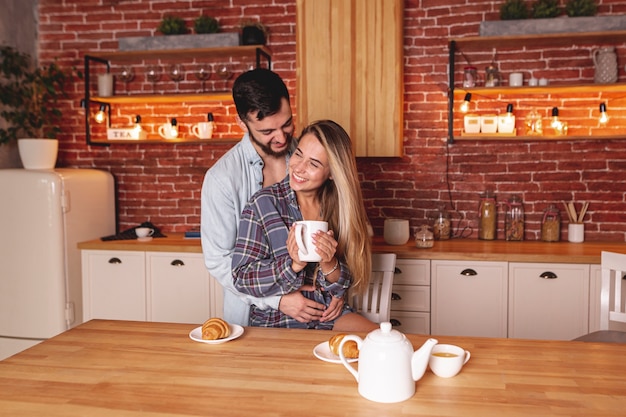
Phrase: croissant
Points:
(350, 349)
(215, 328)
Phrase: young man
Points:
(260, 159)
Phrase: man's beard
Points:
(267, 149)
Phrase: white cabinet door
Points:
(114, 285)
(178, 286)
(410, 298)
(469, 298)
(548, 301)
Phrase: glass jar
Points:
(487, 216)
(551, 224)
(533, 124)
(492, 76)
(424, 238)
(469, 77)
(514, 219)
(441, 225)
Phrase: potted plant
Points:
(513, 10)
(253, 33)
(206, 24)
(577, 8)
(545, 9)
(173, 25)
(29, 97)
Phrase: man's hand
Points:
(299, 307)
(334, 310)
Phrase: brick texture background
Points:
(161, 183)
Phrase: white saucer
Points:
(235, 331)
(144, 239)
(322, 352)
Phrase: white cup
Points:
(543, 81)
(576, 232)
(305, 230)
(203, 130)
(516, 79)
(396, 231)
(144, 231)
(532, 82)
(168, 131)
(447, 360)
(105, 85)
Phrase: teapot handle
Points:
(344, 361)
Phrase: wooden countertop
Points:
(116, 368)
(454, 249)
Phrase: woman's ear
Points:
(241, 124)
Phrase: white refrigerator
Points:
(43, 215)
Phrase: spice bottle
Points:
(514, 219)
(551, 224)
(424, 238)
(441, 225)
(487, 216)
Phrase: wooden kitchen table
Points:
(116, 368)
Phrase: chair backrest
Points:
(375, 304)
(613, 270)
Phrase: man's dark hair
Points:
(259, 90)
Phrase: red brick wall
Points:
(161, 183)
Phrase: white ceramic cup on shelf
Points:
(516, 79)
(447, 360)
(144, 231)
(203, 130)
(168, 131)
(396, 231)
(305, 230)
(105, 85)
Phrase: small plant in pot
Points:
(253, 33)
(206, 24)
(513, 10)
(173, 25)
(29, 97)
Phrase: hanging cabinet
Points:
(485, 44)
(349, 66)
(105, 59)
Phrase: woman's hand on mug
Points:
(325, 246)
(292, 247)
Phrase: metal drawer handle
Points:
(469, 272)
(177, 262)
(115, 261)
(395, 322)
(395, 297)
(397, 271)
(548, 275)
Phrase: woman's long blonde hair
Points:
(342, 202)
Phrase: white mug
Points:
(447, 360)
(203, 130)
(168, 131)
(305, 230)
(396, 231)
(105, 85)
(144, 231)
(516, 79)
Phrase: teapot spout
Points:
(419, 360)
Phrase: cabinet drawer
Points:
(412, 272)
(410, 298)
(411, 322)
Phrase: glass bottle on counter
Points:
(424, 238)
(441, 225)
(514, 219)
(487, 216)
(551, 224)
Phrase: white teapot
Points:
(388, 367)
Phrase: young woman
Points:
(322, 185)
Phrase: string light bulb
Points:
(100, 116)
(604, 117)
(466, 101)
(560, 128)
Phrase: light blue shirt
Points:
(227, 187)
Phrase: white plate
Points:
(144, 239)
(235, 331)
(322, 352)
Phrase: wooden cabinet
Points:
(410, 299)
(152, 286)
(586, 95)
(548, 301)
(469, 298)
(349, 68)
(106, 59)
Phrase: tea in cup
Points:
(305, 230)
(144, 231)
(203, 130)
(447, 360)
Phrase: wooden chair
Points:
(375, 304)
(612, 306)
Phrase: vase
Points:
(605, 61)
(38, 153)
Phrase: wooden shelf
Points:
(553, 39)
(549, 89)
(179, 54)
(535, 138)
(165, 98)
(179, 141)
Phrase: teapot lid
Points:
(385, 334)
